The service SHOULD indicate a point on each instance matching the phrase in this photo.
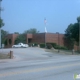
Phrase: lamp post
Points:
(79, 34)
(0, 23)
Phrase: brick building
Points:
(38, 38)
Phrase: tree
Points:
(75, 32)
(32, 31)
(1, 23)
(68, 36)
(20, 38)
(78, 19)
(5, 41)
(3, 34)
(72, 33)
(16, 32)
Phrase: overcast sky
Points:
(21, 15)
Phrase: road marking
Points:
(37, 70)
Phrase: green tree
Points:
(72, 33)
(3, 34)
(1, 23)
(20, 38)
(5, 41)
(32, 31)
(78, 18)
(16, 32)
(68, 36)
(75, 32)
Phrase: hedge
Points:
(54, 45)
(49, 46)
(42, 45)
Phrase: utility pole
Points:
(45, 31)
(58, 41)
(79, 36)
(78, 19)
(0, 23)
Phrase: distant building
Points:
(39, 38)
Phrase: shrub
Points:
(30, 44)
(35, 44)
(42, 45)
(57, 47)
(54, 45)
(5, 42)
(63, 47)
(49, 46)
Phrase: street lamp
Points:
(0, 22)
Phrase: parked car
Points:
(20, 45)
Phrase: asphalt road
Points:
(36, 64)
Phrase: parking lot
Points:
(30, 53)
(33, 53)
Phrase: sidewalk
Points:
(15, 58)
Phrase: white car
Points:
(19, 45)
